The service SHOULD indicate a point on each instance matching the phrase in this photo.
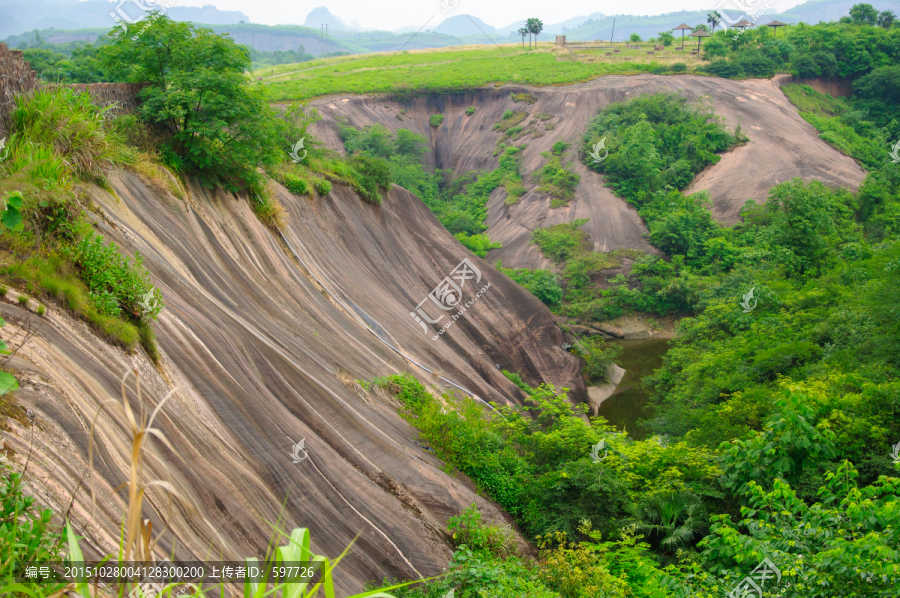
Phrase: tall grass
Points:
(68, 123)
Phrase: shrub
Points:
(322, 186)
(517, 380)
(436, 120)
(470, 111)
(23, 299)
(806, 66)
(295, 184)
(557, 179)
(597, 358)
(634, 38)
(468, 530)
(559, 147)
(724, 68)
(509, 120)
(715, 48)
(756, 64)
(477, 244)
(371, 175)
(561, 242)
(41, 310)
(678, 67)
(27, 535)
(522, 97)
(116, 285)
(267, 209)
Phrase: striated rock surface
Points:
(262, 349)
(782, 146)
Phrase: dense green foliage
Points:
(27, 536)
(654, 142)
(561, 476)
(59, 139)
(848, 49)
(556, 179)
(218, 128)
(543, 284)
(460, 203)
(785, 372)
(115, 284)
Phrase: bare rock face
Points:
(598, 394)
(262, 340)
(782, 146)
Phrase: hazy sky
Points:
(393, 14)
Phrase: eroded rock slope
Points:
(782, 146)
(262, 350)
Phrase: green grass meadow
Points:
(437, 70)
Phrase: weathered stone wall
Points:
(833, 86)
(122, 96)
(16, 78)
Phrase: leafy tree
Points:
(880, 92)
(827, 63)
(756, 64)
(219, 127)
(843, 544)
(802, 220)
(806, 66)
(666, 38)
(685, 227)
(634, 38)
(715, 47)
(727, 69)
(864, 14)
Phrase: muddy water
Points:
(625, 407)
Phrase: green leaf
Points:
(12, 219)
(7, 383)
(76, 557)
(14, 200)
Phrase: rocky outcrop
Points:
(598, 394)
(782, 146)
(262, 340)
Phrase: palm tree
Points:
(714, 18)
(672, 519)
(535, 26)
(523, 32)
(886, 19)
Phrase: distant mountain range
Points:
(19, 16)
(60, 21)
